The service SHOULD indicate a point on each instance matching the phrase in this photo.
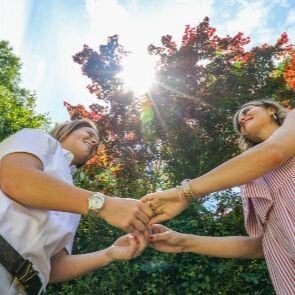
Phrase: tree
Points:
(124, 154)
(199, 87)
(289, 71)
(180, 129)
(17, 105)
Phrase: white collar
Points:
(69, 158)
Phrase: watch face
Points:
(96, 202)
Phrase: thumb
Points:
(133, 244)
(132, 240)
(146, 198)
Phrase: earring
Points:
(275, 117)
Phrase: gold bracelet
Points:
(186, 189)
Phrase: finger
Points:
(154, 229)
(158, 228)
(138, 225)
(143, 217)
(158, 237)
(147, 208)
(143, 243)
(159, 218)
(130, 229)
(146, 198)
(146, 233)
(132, 245)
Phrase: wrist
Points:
(95, 203)
(108, 258)
(103, 212)
(186, 243)
(198, 244)
(185, 190)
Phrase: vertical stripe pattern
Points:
(269, 210)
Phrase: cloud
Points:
(106, 18)
(33, 70)
(181, 13)
(290, 24)
(13, 21)
(139, 26)
(261, 20)
(47, 52)
(290, 20)
(282, 3)
(248, 18)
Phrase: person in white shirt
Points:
(40, 209)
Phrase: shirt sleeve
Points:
(32, 141)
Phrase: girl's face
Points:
(82, 143)
(257, 122)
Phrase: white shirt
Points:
(38, 234)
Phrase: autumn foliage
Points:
(180, 128)
(289, 73)
(187, 113)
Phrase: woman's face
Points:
(257, 123)
(82, 143)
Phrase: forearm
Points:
(22, 179)
(253, 163)
(224, 247)
(239, 170)
(69, 267)
(34, 188)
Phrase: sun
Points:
(138, 73)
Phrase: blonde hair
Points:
(61, 131)
(280, 114)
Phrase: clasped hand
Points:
(165, 204)
(136, 215)
(158, 236)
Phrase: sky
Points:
(45, 34)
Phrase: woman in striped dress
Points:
(266, 173)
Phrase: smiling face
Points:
(256, 122)
(82, 143)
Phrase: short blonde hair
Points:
(279, 112)
(61, 131)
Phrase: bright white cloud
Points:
(70, 72)
(256, 20)
(183, 12)
(33, 70)
(248, 18)
(106, 18)
(13, 22)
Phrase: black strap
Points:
(20, 268)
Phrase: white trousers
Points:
(8, 286)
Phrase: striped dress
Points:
(269, 210)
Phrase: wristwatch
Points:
(95, 203)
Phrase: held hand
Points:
(165, 204)
(127, 214)
(127, 247)
(164, 239)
